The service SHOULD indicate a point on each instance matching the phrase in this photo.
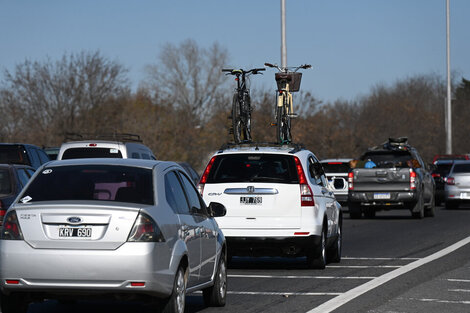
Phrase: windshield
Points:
(81, 153)
(335, 167)
(91, 182)
(5, 182)
(13, 154)
(275, 168)
(461, 168)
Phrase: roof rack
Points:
(295, 146)
(399, 143)
(104, 136)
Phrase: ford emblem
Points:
(74, 220)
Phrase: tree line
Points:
(180, 110)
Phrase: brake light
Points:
(2, 213)
(92, 145)
(434, 175)
(200, 186)
(412, 179)
(11, 228)
(450, 181)
(145, 230)
(350, 180)
(306, 194)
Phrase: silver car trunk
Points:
(76, 226)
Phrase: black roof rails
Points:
(295, 146)
(126, 137)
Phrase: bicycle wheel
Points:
(283, 125)
(246, 118)
(236, 120)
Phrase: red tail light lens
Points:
(200, 186)
(11, 228)
(412, 179)
(145, 230)
(306, 194)
(450, 181)
(436, 175)
(350, 180)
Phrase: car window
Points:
(35, 162)
(92, 182)
(5, 182)
(145, 156)
(23, 176)
(336, 167)
(43, 156)
(135, 155)
(174, 194)
(315, 171)
(194, 200)
(80, 153)
(13, 154)
(461, 168)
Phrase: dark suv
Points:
(22, 153)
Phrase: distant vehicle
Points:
(391, 176)
(439, 173)
(13, 177)
(52, 152)
(438, 157)
(336, 171)
(190, 171)
(278, 202)
(116, 145)
(22, 153)
(457, 187)
(133, 229)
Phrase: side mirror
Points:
(217, 209)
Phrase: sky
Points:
(352, 45)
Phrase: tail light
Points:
(145, 230)
(450, 181)
(11, 228)
(412, 179)
(202, 182)
(350, 180)
(434, 175)
(306, 194)
(2, 214)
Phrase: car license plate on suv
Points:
(251, 200)
(382, 195)
(75, 232)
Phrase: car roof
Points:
(261, 148)
(109, 161)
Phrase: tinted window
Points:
(43, 156)
(315, 171)
(33, 153)
(193, 195)
(135, 155)
(254, 168)
(13, 154)
(5, 182)
(336, 167)
(461, 168)
(93, 182)
(175, 194)
(81, 153)
(389, 158)
(443, 169)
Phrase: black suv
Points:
(22, 153)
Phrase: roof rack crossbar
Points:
(295, 146)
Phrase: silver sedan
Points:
(457, 185)
(135, 229)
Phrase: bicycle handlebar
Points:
(241, 71)
(286, 69)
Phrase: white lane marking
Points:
(440, 301)
(364, 266)
(268, 293)
(459, 280)
(349, 295)
(306, 277)
(379, 259)
(459, 290)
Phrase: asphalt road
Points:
(371, 248)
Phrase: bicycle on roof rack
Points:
(288, 81)
(241, 105)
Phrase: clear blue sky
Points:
(352, 44)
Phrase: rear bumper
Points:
(86, 272)
(272, 246)
(372, 198)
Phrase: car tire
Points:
(430, 211)
(418, 208)
(216, 295)
(317, 258)
(177, 301)
(334, 253)
(355, 210)
(13, 303)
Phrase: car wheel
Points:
(13, 303)
(355, 210)
(334, 253)
(430, 211)
(418, 208)
(216, 294)
(317, 258)
(176, 302)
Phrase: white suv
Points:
(278, 202)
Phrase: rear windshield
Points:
(335, 167)
(388, 159)
(271, 168)
(82, 153)
(5, 182)
(461, 168)
(92, 182)
(13, 154)
(443, 169)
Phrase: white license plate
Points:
(75, 232)
(251, 200)
(383, 195)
